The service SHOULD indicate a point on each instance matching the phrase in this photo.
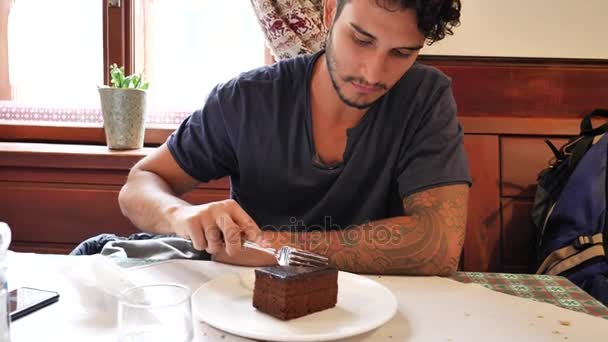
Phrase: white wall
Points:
(529, 28)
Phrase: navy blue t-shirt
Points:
(256, 128)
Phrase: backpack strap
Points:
(578, 146)
(571, 256)
(573, 261)
(587, 127)
(586, 136)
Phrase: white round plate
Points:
(226, 303)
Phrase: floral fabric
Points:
(291, 27)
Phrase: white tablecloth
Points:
(430, 308)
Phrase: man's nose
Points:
(374, 68)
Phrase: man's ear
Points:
(329, 11)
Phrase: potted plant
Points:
(123, 106)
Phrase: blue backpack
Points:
(569, 210)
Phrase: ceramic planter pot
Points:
(124, 117)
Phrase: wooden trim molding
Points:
(515, 61)
(68, 156)
(5, 86)
(61, 160)
(73, 134)
(42, 247)
(482, 242)
(158, 134)
(117, 37)
(536, 126)
(526, 88)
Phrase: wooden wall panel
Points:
(54, 196)
(519, 236)
(482, 243)
(62, 175)
(42, 247)
(522, 160)
(60, 215)
(510, 125)
(202, 196)
(525, 87)
(80, 176)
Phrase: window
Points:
(52, 68)
(53, 61)
(193, 45)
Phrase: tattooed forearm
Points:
(428, 240)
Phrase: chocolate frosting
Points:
(294, 272)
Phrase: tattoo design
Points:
(428, 240)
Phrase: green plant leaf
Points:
(115, 74)
(137, 79)
(119, 80)
(121, 75)
(127, 82)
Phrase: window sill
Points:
(34, 162)
(72, 125)
(62, 132)
(66, 156)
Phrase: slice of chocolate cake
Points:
(287, 292)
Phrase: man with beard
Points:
(354, 152)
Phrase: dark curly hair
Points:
(436, 18)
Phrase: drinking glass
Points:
(159, 312)
(5, 240)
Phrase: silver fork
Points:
(290, 256)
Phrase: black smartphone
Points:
(25, 300)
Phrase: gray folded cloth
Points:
(165, 248)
